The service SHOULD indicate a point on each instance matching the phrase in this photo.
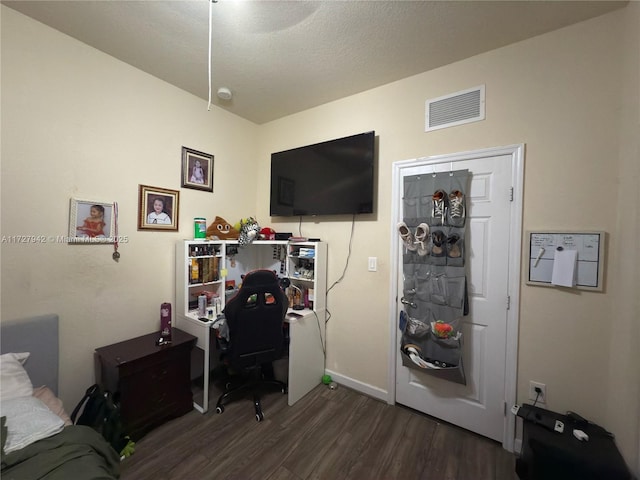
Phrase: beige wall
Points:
(623, 403)
(75, 121)
(78, 123)
(560, 94)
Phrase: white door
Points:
(489, 340)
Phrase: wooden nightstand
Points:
(152, 382)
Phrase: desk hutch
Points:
(215, 267)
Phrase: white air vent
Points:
(455, 109)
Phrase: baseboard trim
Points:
(358, 386)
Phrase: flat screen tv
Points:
(329, 178)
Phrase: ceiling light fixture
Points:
(224, 93)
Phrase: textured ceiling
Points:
(282, 57)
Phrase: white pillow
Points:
(28, 420)
(14, 380)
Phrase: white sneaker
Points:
(422, 239)
(456, 210)
(407, 237)
(438, 207)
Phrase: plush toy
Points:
(249, 230)
(267, 234)
(220, 229)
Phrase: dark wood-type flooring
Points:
(329, 434)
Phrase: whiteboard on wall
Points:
(542, 247)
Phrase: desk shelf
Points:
(307, 331)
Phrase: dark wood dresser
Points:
(152, 382)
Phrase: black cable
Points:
(536, 400)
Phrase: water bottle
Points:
(202, 306)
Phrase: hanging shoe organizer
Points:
(434, 294)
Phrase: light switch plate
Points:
(373, 264)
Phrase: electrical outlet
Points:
(542, 397)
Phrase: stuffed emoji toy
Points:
(220, 229)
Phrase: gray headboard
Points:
(39, 336)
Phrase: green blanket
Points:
(78, 452)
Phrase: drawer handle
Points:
(159, 375)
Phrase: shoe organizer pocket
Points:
(456, 202)
(442, 355)
(438, 289)
(416, 328)
(455, 292)
(438, 247)
(409, 280)
(417, 196)
(409, 258)
(446, 331)
(421, 310)
(438, 208)
(455, 249)
(410, 207)
(423, 277)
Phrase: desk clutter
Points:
(566, 447)
(211, 273)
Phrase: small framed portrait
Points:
(197, 170)
(158, 208)
(90, 221)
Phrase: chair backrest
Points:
(255, 317)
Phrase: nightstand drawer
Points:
(152, 383)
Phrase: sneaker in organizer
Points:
(456, 210)
(438, 207)
(407, 237)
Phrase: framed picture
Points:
(158, 208)
(197, 170)
(90, 221)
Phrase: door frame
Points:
(514, 269)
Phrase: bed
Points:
(38, 439)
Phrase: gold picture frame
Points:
(158, 208)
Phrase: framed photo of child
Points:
(158, 208)
(91, 221)
(197, 170)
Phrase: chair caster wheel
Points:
(219, 409)
(259, 417)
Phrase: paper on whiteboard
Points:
(564, 268)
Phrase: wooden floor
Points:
(329, 434)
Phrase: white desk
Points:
(306, 352)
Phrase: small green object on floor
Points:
(128, 449)
(326, 379)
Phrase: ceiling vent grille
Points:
(455, 109)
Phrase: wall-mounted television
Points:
(329, 178)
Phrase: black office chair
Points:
(255, 316)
